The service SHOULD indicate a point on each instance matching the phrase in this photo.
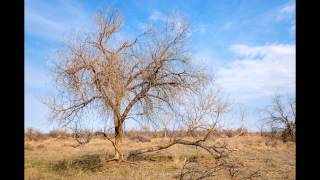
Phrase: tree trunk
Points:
(118, 140)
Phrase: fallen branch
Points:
(216, 151)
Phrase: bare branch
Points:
(117, 78)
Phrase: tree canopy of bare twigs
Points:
(123, 78)
(281, 117)
(197, 112)
(201, 112)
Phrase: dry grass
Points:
(56, 159)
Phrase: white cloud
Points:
(261, 71)
(207, 59)
(202, 28)
(292, 29)
(142, 26)
(156, 15)
(288, 9)
(286, 12)
(227, 25)
(38, 24)
(51, 19)
(175, 17)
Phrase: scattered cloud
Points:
(207, 60)
(43, 19)
(289, 9)
(292, 29)
(254, 72)
(286, 12)
(156, 15)
(202, 28)
(40, 25)
(174, 17)
(142, 26)
(260, 72)
(227, 25)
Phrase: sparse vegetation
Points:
(281, 119)
(58, 161)
(151, 79)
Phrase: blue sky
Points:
(249, 45)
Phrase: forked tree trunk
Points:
(118, 140)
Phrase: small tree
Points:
(123, 78)
(165, 120)
(281, 117)
(198, 112)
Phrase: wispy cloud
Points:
(268, 24)
(202, 28)
(156, 15)
(227, 25)
(292, 29)
(286, 12)
(261, 71)
(40, 25)
(43, 18)
(175, 17)
(248, 73)
(289, 9)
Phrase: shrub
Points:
(140, 139)
(229, 133)
(58, 134)
(91, 163)
(34, 135)
(28, 146)
(41, 146)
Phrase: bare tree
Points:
(201, 113)
(82, 137)
(123, 78)
(165, 121)
(197, 112)
(242, 115)
(281, 117)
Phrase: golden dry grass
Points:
(56, 159)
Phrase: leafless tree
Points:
(281, 117)
(33, 135)
(197, 112)
(82, 137)
(204, 112)
(164, 122)
(123, 78)
(242, 115)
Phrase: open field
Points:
(56, 159)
